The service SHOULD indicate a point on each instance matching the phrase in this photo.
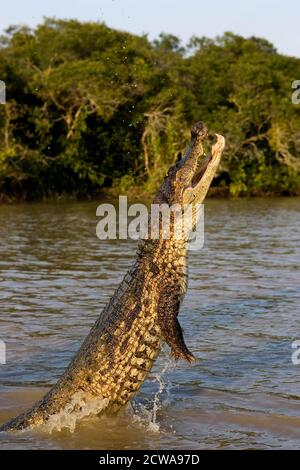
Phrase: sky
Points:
(275, 20)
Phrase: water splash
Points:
(164, 386)
(79, 407)
(145, 415)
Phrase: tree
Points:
(89, 107)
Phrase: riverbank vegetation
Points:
(92, 109)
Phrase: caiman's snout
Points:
(199, 131)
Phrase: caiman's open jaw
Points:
(208, 160)
(200, 171)
(189, 179)
(204, 173)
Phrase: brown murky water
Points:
(240, 317)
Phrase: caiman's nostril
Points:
(199, 130)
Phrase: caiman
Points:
(119, 351)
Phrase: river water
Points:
(240, 316)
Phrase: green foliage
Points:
(89, 108)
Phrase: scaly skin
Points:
(121, 347)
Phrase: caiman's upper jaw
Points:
(187, 167)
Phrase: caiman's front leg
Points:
(168, 309)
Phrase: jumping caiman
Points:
(121, 347)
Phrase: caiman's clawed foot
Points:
(172, 331)
(184, 354)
